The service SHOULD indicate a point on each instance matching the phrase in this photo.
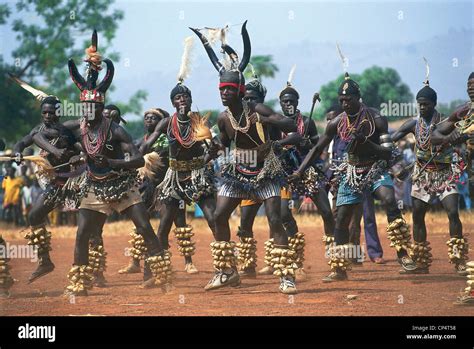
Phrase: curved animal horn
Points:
(247, 48)
(109, 76)
(210, 52)
(94, 40)
(75, 76)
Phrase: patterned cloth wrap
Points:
(258, 181)
(439, 177)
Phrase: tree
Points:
(59, 30)
(135, 128)
(263, 66)
(378, 85)
(18, 110)
(447, 108)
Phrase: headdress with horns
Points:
(90, 91)
(231, 76)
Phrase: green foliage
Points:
(447, 108)
(4, 13)
(263, 66)
(378, 85)
(135, 128)
(18, 110)
(59, 27)
(48, 33)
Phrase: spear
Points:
(316, 98)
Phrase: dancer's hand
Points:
(60, 153)
(76, 160)
(213, 150)
(254, 118)
(263, 150)
(102, 161)
(17, 158)
(359, 136)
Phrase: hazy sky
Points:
(150, 39)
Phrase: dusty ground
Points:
(379, 289)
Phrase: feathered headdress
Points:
(38, 94)
(184, 69)
(348, 86)
(90, 91)
(289, 89)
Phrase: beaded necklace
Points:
(236, 124)
(423, 132)
(345, 129)
(186, 137)
(94, 140)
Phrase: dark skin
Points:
(232, 99)
(170, 212)
(60, 153)
(91, 222)
(51, 122)
(447, 133)
(151, 121)
(289, 104)
(351, 105)
(450, 203)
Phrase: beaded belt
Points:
(361, 167)
(187, 165)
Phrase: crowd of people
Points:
(252, 156)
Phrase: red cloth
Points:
(241, 88)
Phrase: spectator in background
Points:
(463, 188)
(26, 200)
(11, 200)
(35, 190)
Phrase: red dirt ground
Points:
(379, 289)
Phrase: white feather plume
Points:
(185, 68)
(291, 75)
(226, 62)
(343, 58)
(427, 78)
(217, 34)
(39, 95)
